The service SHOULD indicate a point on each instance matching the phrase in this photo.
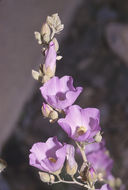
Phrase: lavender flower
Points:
(48, 156)
(50, 60)
(94, 147)
(81, 124)
(101, 162)
(105, 187)
(60, 93)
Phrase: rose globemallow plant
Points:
(82, 125)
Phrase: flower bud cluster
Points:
(82, 125)
(50, 47)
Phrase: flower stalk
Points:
(81, 125)
(82, 151)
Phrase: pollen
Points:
(81, 130)
(53, 160)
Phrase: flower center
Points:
(81, 130)
(53, 160)
(61, 96)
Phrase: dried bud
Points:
(45, 177)
(3, 165)
(46, 110)
(98, 137)
(38, 37)
(100, 176)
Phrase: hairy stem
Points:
(82, 150)
(71, 182)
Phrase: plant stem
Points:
(82, 150)
(71, 182)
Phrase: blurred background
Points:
(94, 46)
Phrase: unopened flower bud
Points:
(55, 23)
(53, 115)
(45, 29)
(59, 28)
(35, 75)
(46, 110)
(49, 66)
(88, 173)
(56, 44)
(49, 21)
(45, 32)
(71, 164)
(57, 172)
(46, 38)
(69, 170)
(91, 175)
(100, 177)
(98, 137)
(45, 78)
(83, 171)
(3, 165)
(38, 37)
(59, 57)
(48, 71)
(111, 181)
(118, 182)
(52, 178)
(45, 177)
